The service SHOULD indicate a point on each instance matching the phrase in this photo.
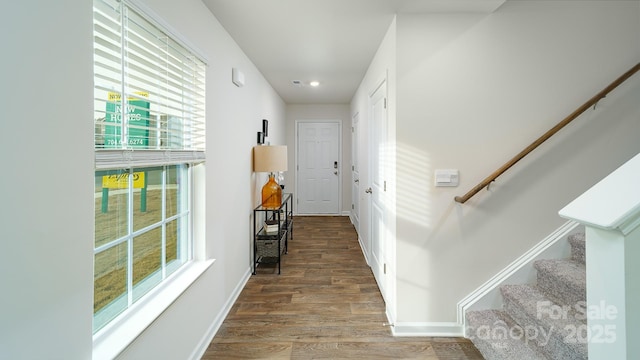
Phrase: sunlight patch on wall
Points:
(415, 186)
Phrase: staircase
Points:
(546, 320)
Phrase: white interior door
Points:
(318, 167)
(378, 186)
(355, 173)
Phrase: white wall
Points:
(47, 191)
(382, 68)
(469, 91)
(473, 90)
(46, 260)
(321, 112)
(234, 116)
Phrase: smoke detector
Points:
(296, 82)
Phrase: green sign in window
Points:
(137, 116)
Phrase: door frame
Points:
(340, 166)
(355, 170)
(388, 210)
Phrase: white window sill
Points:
(111, 340)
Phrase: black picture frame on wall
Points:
(260, 138)
(265, 127)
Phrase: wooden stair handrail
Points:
(548, 134)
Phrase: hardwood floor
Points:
(324, 305)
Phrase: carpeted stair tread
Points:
(578, 245)
(563, 280)
(490, 332)
(550, 315)
(557, 326)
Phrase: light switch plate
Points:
(447, 177)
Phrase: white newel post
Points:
(610, 212)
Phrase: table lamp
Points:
(270, 158)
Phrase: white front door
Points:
(378, 186)
(318, 167)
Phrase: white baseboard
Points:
(441, 329)
(199, 351)
(343, 213)
(362, 248)
(521, 271)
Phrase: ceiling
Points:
(329, 41)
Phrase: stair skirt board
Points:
(521, 271)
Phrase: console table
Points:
(268, 247)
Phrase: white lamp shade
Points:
(270, 158)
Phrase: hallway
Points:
(324, 305)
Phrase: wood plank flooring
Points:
(324, 305)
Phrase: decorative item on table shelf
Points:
(271, 159)
(271, 227)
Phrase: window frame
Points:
(184, 247)
(117, 334)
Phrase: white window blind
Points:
(149, 92)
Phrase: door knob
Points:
(368, 191)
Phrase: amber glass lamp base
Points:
(271, 193)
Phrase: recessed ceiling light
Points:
(314, 83)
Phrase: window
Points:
(149, 133)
